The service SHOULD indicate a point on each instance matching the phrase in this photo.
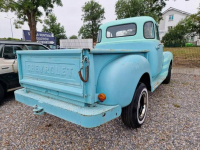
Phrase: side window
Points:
(41, 48)
(157, 33)
(8, 52)
(18, 48)
(149, 30)
(171, 17)
(99, 36)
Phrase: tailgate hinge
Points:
(85, 59)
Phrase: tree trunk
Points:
(33, 34)
(32, 25)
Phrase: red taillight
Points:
(102, 97)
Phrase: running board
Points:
(158, 80)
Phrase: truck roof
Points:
(18, 42)
(138, 21)
(128, 20)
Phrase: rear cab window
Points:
(121, 30)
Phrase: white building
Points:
(171, 17)
(76, 43)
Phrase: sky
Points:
(70, 15)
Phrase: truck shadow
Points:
(8, 97)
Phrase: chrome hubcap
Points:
(142, 106)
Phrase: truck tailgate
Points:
(52, 73)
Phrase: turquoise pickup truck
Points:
(90, 87)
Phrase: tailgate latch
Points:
(85, 59)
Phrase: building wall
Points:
(165, 22)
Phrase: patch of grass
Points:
(176, 105)
(185, 56)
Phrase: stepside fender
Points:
(167, 59)
(119, 79)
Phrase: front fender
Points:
(118, 80)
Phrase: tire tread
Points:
(128, 116)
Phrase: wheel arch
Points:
(145, 78)
(171, 63)
(119, 79)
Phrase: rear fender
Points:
(119, 79)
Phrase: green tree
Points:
(51, 26)
(178, 35)
(175, 37)
(133, 8)
(193, 23)
(10, 39)
(28, 11)
(73, 37)
(93, 14)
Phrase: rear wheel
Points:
(168, 78)
(134, 114)
(1, 93)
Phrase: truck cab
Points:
(90, 87)
(138, 33)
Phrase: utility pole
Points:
(10, 24)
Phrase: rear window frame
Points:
(121, 25)
(98, 36)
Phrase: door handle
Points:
(4, 67)
(158, 47)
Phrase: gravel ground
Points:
(173, 122)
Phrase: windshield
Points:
(36, 47)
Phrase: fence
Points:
(187, 57)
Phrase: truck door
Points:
(156, 49)
(159, 49)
